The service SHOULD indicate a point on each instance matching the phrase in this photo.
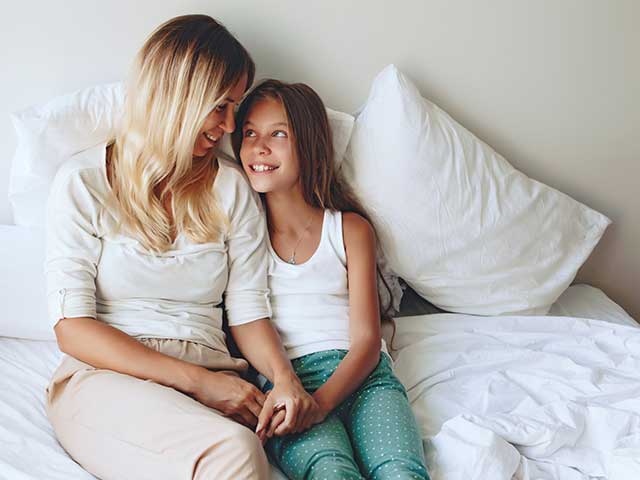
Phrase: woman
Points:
(143, 240)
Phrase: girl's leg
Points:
(322, 452)
(383, 430)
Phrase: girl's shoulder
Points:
(356, 230)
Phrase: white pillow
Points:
(49, 134)
(459, 224)
(24, 305)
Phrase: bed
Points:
(553, 397)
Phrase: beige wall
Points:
(553, 85)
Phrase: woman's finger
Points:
(254, 407)
(249, 419)
(265, 415)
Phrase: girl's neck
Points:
(288, 212)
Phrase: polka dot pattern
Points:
(372, 434)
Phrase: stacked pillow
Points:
(51, 133)
(456, 221)
(460, 225)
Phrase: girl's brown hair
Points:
(322, 184)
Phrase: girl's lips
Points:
(261, 168)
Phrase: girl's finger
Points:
(276, 420)
(289, 418)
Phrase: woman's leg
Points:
(117, 426)
(382, 428)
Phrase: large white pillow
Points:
(456, 221)
(24, 306)
(49, 134)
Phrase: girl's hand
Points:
(231, 395)
(315, 415)
(289, 394)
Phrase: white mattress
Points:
(522, 398)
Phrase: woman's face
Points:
(267, 148)
(219, 121)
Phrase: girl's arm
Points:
(364, 316)
(260, 344)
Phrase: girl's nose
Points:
(262, 148)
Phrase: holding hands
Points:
(288, 408)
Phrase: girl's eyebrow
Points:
(278, 124)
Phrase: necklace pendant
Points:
(292, 260)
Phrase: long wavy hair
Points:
(185, 69)
(322, 184)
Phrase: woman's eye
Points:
(279, 133)
(221, 108)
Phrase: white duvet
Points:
(524, 397)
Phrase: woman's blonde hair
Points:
(184, 70)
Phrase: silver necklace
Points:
(292, 258)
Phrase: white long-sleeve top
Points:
(94, 271)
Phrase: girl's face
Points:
(267, 151)
(219, 121)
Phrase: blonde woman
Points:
(144, 240)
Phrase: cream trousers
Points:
(120, 427)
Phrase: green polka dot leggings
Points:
(372, 434)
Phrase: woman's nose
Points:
(229, 122)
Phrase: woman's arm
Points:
(71, 267)
(104, 346)
(364, 316)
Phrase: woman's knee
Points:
(239, 455)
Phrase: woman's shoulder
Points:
(83, 171)
(234, 191)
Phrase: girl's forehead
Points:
(266, 110)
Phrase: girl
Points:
(322, 278)
(143, 240)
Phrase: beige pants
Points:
(120, 427)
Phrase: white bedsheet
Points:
(496, 398)
(524, 397)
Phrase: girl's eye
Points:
(280, 133)
(249, 133)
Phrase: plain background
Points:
(553, 85)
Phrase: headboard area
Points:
(554, 87)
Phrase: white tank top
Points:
(310, 301)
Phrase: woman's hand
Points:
(288, 408)
(231, 395)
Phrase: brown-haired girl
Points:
(322, 278)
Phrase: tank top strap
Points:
(332, 233)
